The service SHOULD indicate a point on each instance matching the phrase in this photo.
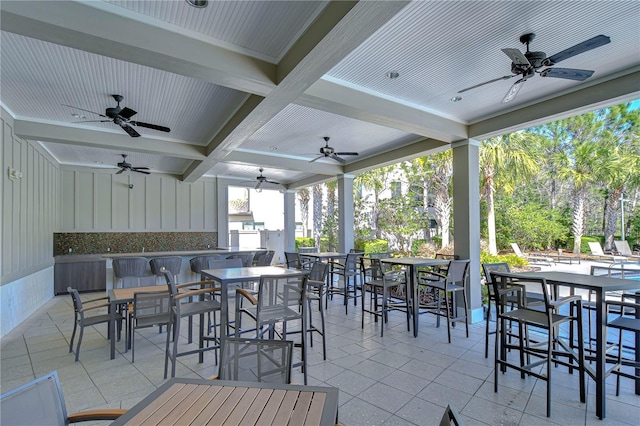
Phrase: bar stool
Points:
(173, 264)
(129, 267)
(199, 263)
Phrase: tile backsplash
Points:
(131, 242)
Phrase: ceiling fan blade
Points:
(120, 171)
(567, 73)
(346, 153)
(272, 182)
(585, 46)
(127, 113)
(139, 168)
(93, 121)
(85, 110)
(150, 126)
(516, 56)
(317, 158)
(506, 77)
(136, 169)
(338, 159)
(513, 91)
(130, 130)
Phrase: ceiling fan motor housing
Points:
(113, 112)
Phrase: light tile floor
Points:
(393, 380)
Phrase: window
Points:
(252, 226)
(396, 189)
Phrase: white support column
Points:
(222, 192)
(345, 213)
(466, 217)
(290, 220)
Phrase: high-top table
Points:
(412, 264)
(120, 296)
(228, 276)
(199, 402)
(599, 285)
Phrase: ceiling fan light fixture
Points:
(198, 3)
(392, 75)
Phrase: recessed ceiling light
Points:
(78, 116)
(392, 75)
(198, 3)
(273, 148)
(98, 162)
(456, 99)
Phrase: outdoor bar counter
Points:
(185, 271)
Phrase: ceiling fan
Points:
(127, 167)
(121, 117)
(528, 64)
(329, 152)
(263, 179)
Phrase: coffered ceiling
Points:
(250, 84)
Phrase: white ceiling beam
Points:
(47, 132)
(349, 102)
(407, 152)
(96, 27)
(240, 156)
(417, 149)
(623, 88)
(341, 27)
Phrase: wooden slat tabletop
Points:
(192, 401)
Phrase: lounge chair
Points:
(531, 258)
(596, 250)
(623, 248)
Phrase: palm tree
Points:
(620, 166)
(504, 160)
(304, 197)
(438, 170)
(376, 181)
(317, 213)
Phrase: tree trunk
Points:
(491, 217)
(612, 207)
(577, 227)
(317, 214)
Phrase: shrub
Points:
(371, 246)
(584, 242)
(304, 242)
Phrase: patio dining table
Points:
(199, 401)
(412, 264)
(599, 285)
(121, 296)
(230, 276)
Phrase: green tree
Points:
(376, 181)
(620, 163)
(504, 160)
(317, 213)
(580, 166)
(304, 196)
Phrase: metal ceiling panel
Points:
(101, 158)
(298, 131)
(439, 48)
(262, 29)
(39, 77)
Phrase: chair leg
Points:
(486, 331)
(73, 335)
(79, 343)
(448, 313)
(466, 314)
(324, 342)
